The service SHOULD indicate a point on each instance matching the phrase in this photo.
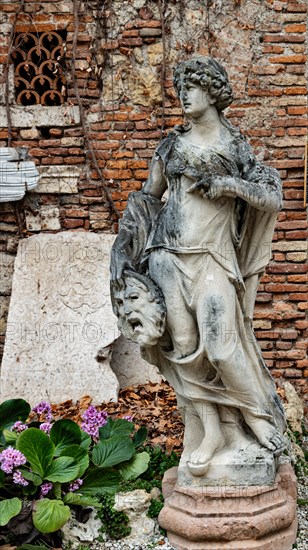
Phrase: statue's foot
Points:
(267, 435)
(200, 459)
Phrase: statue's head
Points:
(140, 309)
(207, 73)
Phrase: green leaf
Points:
(140, 436)
(30, 476)
(9, 508)
(37, 448)
(80, 456)
(13, 410)
(57, 491)
(64, 433)
(99, 481)
(119, 426)
(50, 515)
(136, 466)
(113, 451)
(63, 470)
(10, 437)
(86, 440)
(80, 500)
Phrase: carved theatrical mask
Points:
(141, 310)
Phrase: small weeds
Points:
(114, 523)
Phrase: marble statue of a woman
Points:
(185, 269)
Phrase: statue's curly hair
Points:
(209, 74)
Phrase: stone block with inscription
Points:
(60, 326)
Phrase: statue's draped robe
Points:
(160, 229)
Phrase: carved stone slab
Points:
(60, 325)
(129, 366)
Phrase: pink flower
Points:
(46, 427)
(74, 486)
(43, 408)
(19, 479)
(19, 427)
(93, 420)
(128, 417)
(46, 488)
(11, 458)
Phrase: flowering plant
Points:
(57, 464)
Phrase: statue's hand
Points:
(202, 185)
(120, 262)
(219, 186)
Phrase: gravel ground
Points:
(302, 535)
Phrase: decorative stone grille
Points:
(39, 60)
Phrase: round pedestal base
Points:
(231, 517)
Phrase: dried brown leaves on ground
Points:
(151, 405)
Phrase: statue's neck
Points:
(206, 127)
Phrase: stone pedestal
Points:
(231, 517)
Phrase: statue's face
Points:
(195, 100)
(139, 317)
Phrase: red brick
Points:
(297, 8)
(292, 373)
(131, 185)
(137, 164)
(296, 131)
(280, 38)
(136, 145)
(131, 41)
(295, 27)
(266, 345)
(298, 224)
(130, 33)
(284, 345)
(75, 213)
(296, 235)
(117, 164)
(272, 335)
(301, 325)
(284, 288)
(117, 174)
(290, 121)
(141, 174)
(52, 160)
(141, 24)
(298, 296)
(122, 154)
(72, 223)
(298, 278)
(295, 90)
(289, 334)
(266, 92)
(272, 49)
(73, 160)
(287, 268)
(288, 59)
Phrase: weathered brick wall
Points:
(124, 58)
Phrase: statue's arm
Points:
(135, 225)
(156, 183)
(262, 190)
(259, 185)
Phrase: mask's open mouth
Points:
(135, 324)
